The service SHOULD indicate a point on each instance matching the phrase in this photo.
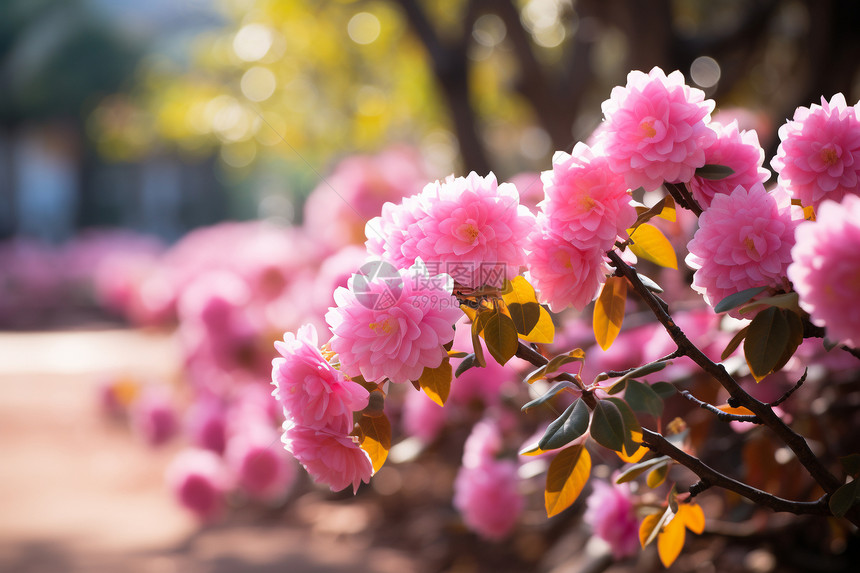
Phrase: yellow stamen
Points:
(829, 156)
(469, 232)
(647, 128)
(750, 245)
(383, 327)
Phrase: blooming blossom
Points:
(482, 445)
(826, 268)
(739, 150)
(261, 469)
(563, 274)
(586, 203)
(393, 327)
(313, 392)
(655, 129)
(471, 228)
(422, 417)
(199, 482)
(744, 241)
(611, 515)
(819, 154)
(331, 457)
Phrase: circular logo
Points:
(377, 285)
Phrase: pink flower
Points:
(422, 417)
(563, 274)
(313, 392)
(331, 457)
(482, 445)
(154, 417)
(488, 499)
(610, 513)
(586, 203)
(656, 129)
(744, 241)
(207, 425)
(819, 156)
(471, 228)
(199, 482)
(826, 268)
(740, 151)
(261, 468)
(393, 325)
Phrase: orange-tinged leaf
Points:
(609, 311)
(657, 476)
(375, 438)
(670, 541)
(739, 411)
(544, 330)
(527, 313)
(568, 472)
(668, 211)
(436, 382)
(647, 527)
(692, 516)
(637, 455)
(647, 242)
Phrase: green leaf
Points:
(436, 382)
(607, 425)
(766, 341)
(664, 389)
(567, 475)
(525, 316)
(549, 394)
(631, 424)
(533, 322)
(851, 464)
(843, 498)
(609, 311)
(636, 470)
(789, 301)
(468, 362)
(500, 334)
(795, 337)
(734, 342)
(641, 398)
(714, 172)
(572, 424)
(647, 242)
(645, 370)
(478, 349)
(737, 299)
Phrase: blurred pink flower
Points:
(563, 274)
(471, 228)
(206, 425)
(393, 326)
(484, 385)
(655, 129)
(331, 457)
(819, 154)
(826, 268)
(312, 392)
(744, 241)
(199, 482)
(422, 417)
(739, 150)
(586, 203)
(488, 499)
(483, 444)
(612, 517)
(154, 417)
(262, 468)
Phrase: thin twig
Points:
(682, 196)
(791, 391)
(724, 416)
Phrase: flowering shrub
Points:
(465, 255)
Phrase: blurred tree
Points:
(506, 79)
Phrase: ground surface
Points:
(78, 494)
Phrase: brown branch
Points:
(712, 478)
(724, 416)
(683, 197)
(763, 411)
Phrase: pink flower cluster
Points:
(819, 154)
(744, 241)
(471, 228)
(485, 491)
(318, 402)
(826, 268)
(611, 515)
(655, 129)
(393, 326)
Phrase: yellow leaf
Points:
(647, 242)
(436, 382)
(636, 456)
(740, 410)
(566, 477)
(375, 438)
(657, 476)
(523, 306)
(668, 211)
(693, 517)
(670, 541)
(646, 528)
(609, 311)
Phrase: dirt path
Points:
(80, 494)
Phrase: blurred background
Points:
(181, 181)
